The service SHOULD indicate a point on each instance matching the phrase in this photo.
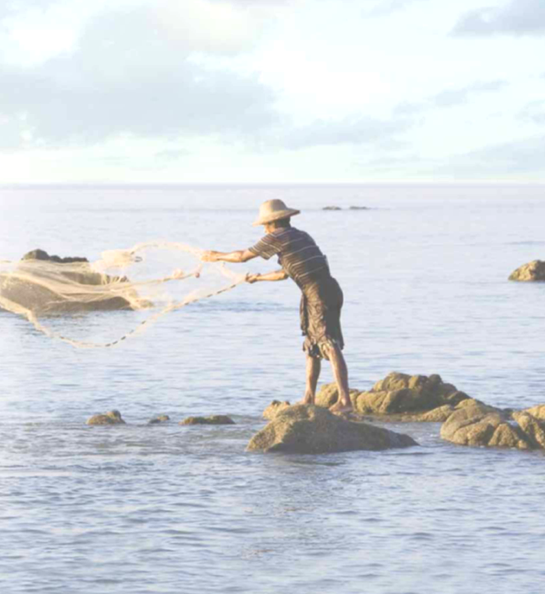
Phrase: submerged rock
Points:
(401, 397)
(274, 408)
(112, 417)
(533, 271)
(159, 419)
(211, 420)
(306, 429)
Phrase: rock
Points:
(537, 411)
(475, 424)
(533, 271)
(359, 208)
(329, 394)
(212, 420)
(306, 429)
(44, 284)
(331, 208)
(274, 408)
(112, 417)
(159, 419)
(533, 428)
(416, 395)
(43, 255)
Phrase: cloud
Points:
(534, 112)
(523, 156)
(386, 7)
(450, 97)
(127, 77)
(517, 17)
(351, 130)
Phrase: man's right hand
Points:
(252, 278)
(209, 256)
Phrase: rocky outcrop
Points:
(537, 411)
(331, 208)
(401, 397)
(304, 429)
(274, 408)
(475, 424)
(533, 271)
(112, 417)
(44, 256)
(211, 420)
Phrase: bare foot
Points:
(308, 400)
(339, 408)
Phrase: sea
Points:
(171, 509)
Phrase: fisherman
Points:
(322, 298)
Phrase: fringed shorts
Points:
(320, 312)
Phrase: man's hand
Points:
(209, 256)
(252, 278)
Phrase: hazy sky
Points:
(271, 90)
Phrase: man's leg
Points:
(340, 372)
(313, 373)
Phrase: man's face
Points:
(269, 227)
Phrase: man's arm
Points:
(277, 275)
(234, 257)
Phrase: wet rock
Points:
(112, 417)
(533, 271)
(159, 419)
(211, 420)
(274, 408)
(475, 424)
(306, 429)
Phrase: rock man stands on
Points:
(322, 298)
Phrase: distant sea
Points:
(169, 509)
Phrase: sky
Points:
(272, 91)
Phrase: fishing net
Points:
(41, 287)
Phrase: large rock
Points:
(401, 397)
(44, 284)
(537, 411)
(306, 429)
(475, 424)
(112, 417)
(533, 271)
(533, 428)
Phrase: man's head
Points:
(274, 211)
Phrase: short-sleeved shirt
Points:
(297, 253)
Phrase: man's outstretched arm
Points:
(234, 257)
(277, 275)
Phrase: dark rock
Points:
(331, 208)
(112, 417)
(43, 255)
(533, 271)
(306, 429)
(212, 420)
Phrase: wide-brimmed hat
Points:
(274, 210)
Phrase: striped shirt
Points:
(297, 253)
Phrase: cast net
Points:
(152, 277)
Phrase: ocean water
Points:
(168, 509)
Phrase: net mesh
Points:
(157, 277)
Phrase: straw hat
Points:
(274, 210)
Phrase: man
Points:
(322, 298)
